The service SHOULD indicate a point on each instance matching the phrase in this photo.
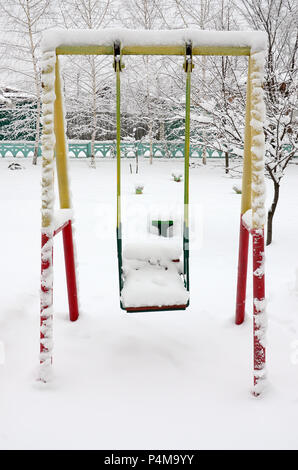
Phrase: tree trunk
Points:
(37, 88)
(204, 159)
(151, 142)
(94, 116)
(227, 162)
(137, 159)
(36, 147)
(271, 213)
(162, 138)
(92, 162)
(37, 132)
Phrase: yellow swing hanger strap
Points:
(118, 56)
(188, 63)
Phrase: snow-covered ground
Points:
(153, 380)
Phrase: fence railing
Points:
(108, 150)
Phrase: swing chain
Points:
(118, 56)
(188, 62)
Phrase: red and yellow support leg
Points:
(253, 198)
(245, 206)
(64, 197)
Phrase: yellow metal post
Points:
(64, 196)
(61, 147)
(246, 178)
(153, 50)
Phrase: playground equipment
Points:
(181, 43)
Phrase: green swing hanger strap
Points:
(118, 66)
(188, 67)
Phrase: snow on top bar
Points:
(53, 38)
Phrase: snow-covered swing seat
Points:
(153, 277)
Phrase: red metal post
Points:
(70, 272)
(46, 297)
(242, 272)
(259, 323)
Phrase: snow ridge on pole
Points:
(258, 218)
(47, 213)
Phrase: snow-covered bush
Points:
(15, 166)
(237, 189)
(177, 175)
(139, 186)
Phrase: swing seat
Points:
(152, 278)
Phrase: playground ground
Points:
(170, 380)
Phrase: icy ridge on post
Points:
(47, 211)
(52, 38)
(258, 217)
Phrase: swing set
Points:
(117, 43)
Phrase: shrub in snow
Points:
(177, 175)
(139, 188)
(15, 166)
(237, 189)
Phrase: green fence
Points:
(108, 150)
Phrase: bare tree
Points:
(279, 19)
(218, 86)
(25, 20)
(144, 14)
(91, 70)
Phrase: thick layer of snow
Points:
(47, 211)
(247, 219)
(151, 278)
(176, 380)
(53, 38)
(61, 216)
(258, 114)
(153, 285)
